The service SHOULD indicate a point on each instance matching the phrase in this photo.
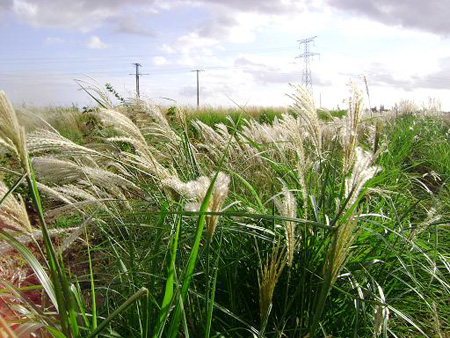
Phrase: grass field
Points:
(139, 221)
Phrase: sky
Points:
(249, 50)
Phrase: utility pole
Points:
(198, 86)
(137, 74)
(306, 74)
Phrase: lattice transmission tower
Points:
(307, 55)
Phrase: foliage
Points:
(232, 225)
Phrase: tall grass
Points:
(291, 226)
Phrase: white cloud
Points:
(159, 61)
(96, 43)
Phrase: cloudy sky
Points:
(248, 49)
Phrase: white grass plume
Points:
(215, 141)
(13, 213)
(305, 107)
(146, 156)
(45, 141)
(287, 207)
(59, 171)
(268, 275)
(350, 124)
(362, 172)
(196, 191)
(12, 135)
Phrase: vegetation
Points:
(124, 221)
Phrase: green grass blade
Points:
(169, 289)
(175, 322)
(11, 190)
(210, 301)
(32, 261)
(142, 292)
(55, 268)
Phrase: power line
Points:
(43, 59)
(306, 74)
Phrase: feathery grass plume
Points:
(159, 125)
(351, 122)
(13, 213)
(12, 135)
(145, 154)
(287, 207)
(214, 141)
(61, 172)
(432, 107)
(218, 196)
(45, 141)
(196, 190)
(305, 107)
(268, 276)
(263, 133)
(96, 91)
(292, 126)
(345, 234)
(53, 194)
(407, 107)
(339, 249)
(362, 172)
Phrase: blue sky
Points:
(247, 48)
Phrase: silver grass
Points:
(13, 213)
(304, 105)
(150, 110)
(362, 172)
(220, 192)
(340, 248)
(303, 163)
(52, 193)
(268, 275)
(287, 207)
(96, 89)
(12, 135)
(196, 190)
(77, 193)
(265, 133)
(145, 157)
(148, 164)
(215, 142)
(11, 268)
(58, 171)
(123, 125)
(350, 124)
(45, 141)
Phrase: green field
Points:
(135, 220)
